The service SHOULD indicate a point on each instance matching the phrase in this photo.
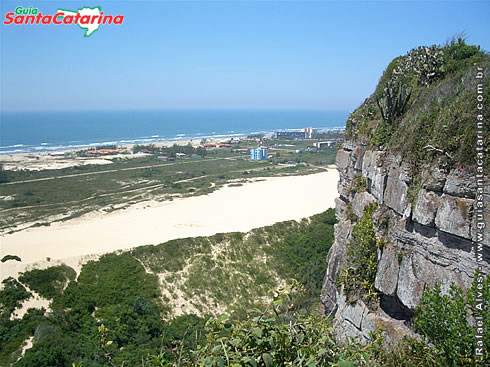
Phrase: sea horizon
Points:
(45, 131)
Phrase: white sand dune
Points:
(240, 208)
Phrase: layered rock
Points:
(429, 237)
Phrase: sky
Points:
(221, 54)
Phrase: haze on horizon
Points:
(225, 55)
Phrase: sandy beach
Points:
(235, 208)
(37, 161)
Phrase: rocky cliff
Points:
(407, 189)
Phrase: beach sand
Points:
(38, 161)
(236, 208)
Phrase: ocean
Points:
(22, 132)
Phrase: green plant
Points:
(359, 184)
(11, 296)
(273, 336)
(10, 257)
(399, 257)
(381, 134)
(358, 278)
(349, 213)
(394, 101)
(443, 320)
(50, 282)
(384, 224)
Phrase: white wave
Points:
(15, 151)
(11, 146)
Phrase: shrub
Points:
(359, 184)
(10, 257)
(50, 282)
(12, 295)
(358, 278)
(443, 320)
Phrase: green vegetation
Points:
(276, 334)
(270, 337)
(49, 282)
(241, 268)
(11, 296)
(359, 275)
(302, 254)
(404, 115)
(120, 310)
(115, 291)
(443, 320)
(359, 184)
(49, 195)
(170, 151)
(399, 257)
(138, 295)
(10, 257)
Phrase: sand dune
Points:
(238, 208)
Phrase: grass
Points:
(229, 272)
(47, 196)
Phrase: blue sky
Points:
(221, 54)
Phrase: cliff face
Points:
(423, 218)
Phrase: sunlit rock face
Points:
(429, 238)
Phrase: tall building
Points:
(308, 132)
(259, 154)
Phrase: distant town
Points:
(263, 151)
